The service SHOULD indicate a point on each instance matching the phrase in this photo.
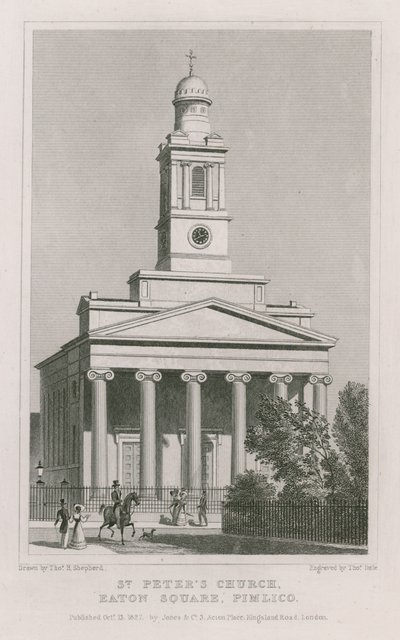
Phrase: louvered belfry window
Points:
(198, 182)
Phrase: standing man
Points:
(63, 517)
(202, 508)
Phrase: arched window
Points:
(198, 182)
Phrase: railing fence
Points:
(336, 521)
(45, 499)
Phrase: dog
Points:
(147, 534)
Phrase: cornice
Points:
(196, 215)
(197, 277)
(166, 150)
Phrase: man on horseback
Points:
(116, 497)
(122, 516)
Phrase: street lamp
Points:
(64, 489)
(39, 469)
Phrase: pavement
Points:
(170, 540)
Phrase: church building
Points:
(158, 388)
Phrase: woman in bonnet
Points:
(78, 537)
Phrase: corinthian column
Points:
(238, 457)
(193, 381)
(98, 377)
(147, 381)
(280, 382)
(320, 395)
(209, 185)
(186, 185)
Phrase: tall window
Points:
(44, 427)
(48, 420)
(74, 443)
(74, 388)
(198, 182)
(53, 433)
(64, 427)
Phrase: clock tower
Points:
(193, 224)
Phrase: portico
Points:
(192, 440)
(170, 403)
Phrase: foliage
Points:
(297, 445)
(250, 486)
(350, 431)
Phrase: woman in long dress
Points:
(181, 516)
(78, 537)
(173, 507)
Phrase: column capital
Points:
(100, 374)
(185, 164)
(323, 379)
(285, 378)
(154, 376)
(209, 165)
(193, 376)
(234, 376)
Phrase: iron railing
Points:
(336, 521)
(44, 499)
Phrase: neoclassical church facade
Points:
(157, 388)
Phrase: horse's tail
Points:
(102, 507)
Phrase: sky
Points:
(294, 109)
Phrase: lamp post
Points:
(39, 493)
(39, 469)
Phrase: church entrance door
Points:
(207, 463)
(130, 464)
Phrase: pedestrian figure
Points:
(173, 507)
(78, 537)
(202, 508)
(63, 517)
(181, 515)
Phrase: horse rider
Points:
(116, 495)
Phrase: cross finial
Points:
(191, 58)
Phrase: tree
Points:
(250, 486)
(297, 445)
(350, 432)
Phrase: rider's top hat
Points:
(116, 483)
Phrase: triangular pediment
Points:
(213, 321)
(179, 133)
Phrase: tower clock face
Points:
(200, 237)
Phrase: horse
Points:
(121, 517)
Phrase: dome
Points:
(191, 87)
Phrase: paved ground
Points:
(45, 541)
